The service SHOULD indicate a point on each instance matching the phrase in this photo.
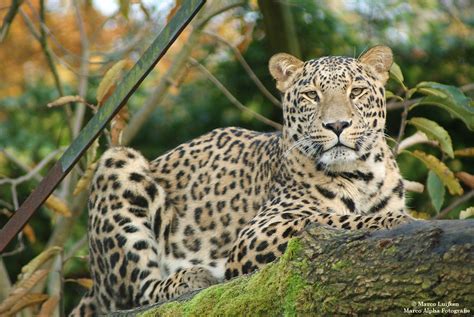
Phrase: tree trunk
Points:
(279, 27)
(421, 267)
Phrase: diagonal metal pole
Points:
(112, 106)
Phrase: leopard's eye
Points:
(356, 92)
(312, 95)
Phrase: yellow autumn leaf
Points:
(118, 125)
(110, 79)
(29, 233)
(65, 100)
(21, 288)
(34, 264)
(465, 152)
(30, 281)
(27, 300)
(58, 206)
(85, 180)
(48, 306)
(86, 282)
(440, 169)
(420, 215)
(466, 213)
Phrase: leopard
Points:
(227, 203)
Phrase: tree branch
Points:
(231, 97)
(458, 201)
(8, 19)
(247, 69)
(157, 95)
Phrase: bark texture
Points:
(421, 267)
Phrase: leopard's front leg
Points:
(266, 237)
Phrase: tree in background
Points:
(65, 49)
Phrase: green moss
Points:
(277, 289)
(390, 250)
(340, 265)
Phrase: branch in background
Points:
(403, 124)
(458, 201)
(201, 23)
(7, 21)
(158, 94)
(231, 97)
(247, 69)
(33, 172)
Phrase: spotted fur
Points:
(227, 203)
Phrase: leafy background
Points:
(433, 44)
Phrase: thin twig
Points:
(33, 172)
(84, 70)
(231, 97)
(202, 22)
(52, 66)
(247, 68)
(403, 124)
(458, 201)
(7, 21)
(74, 249)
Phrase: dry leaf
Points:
(48, 306)
(29, 282)
(464, 152)
(443, 172)
(58, 206)
(118, 125)
(27, 300)
(86, 282)
(21, 288)
(29, 233)
(34, 264)
(85, 180)
(247, 37)
(107, 85)
(177, 5)
(65, 100)
(466, 178)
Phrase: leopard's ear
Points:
(379, 59)
(282, 67)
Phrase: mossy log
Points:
(421, 267)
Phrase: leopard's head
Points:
(334, 107)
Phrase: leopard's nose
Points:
(337, 126)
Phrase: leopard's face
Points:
(334, 107)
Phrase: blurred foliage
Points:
(432, 41)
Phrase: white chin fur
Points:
(338, 156)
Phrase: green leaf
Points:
(436, 190)
(449, 98)
(434, 132)
(441, 170)
(110, 79)
(396, 74)
(389, 94)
